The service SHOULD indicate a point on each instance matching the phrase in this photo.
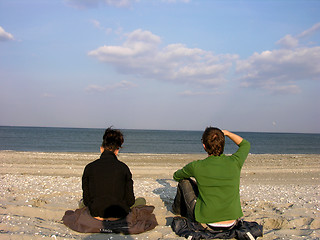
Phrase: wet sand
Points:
(281, 192)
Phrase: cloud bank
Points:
(276, 71)
(280, 70)
(142, 55)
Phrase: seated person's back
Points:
(107, 182)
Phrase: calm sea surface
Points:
(44, 139)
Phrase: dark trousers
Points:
(186, 198)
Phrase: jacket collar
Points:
(107, 154)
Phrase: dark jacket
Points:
(108, 187)
(244, 230)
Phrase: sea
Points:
(54, 139)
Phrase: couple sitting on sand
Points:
(213, 200)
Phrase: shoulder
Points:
(196, 163)
(244, 143)
(91, 164)
(123, 165)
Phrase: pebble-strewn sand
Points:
(279, 191)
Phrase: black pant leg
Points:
(186, 198)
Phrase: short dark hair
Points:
(112, 139)
(213, 140)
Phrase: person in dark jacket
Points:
(107, 182)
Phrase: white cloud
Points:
(5, 36)
(174, 1)
(107, 30)
(96, 23)
(141, 55)
(119, 3)
(287, 89)
(95, 3)
(47, 95)
(290, 41)
(310, 31)
(276, 70)
(83, 4)
(115, 86)
(189, 93)
(280, 70)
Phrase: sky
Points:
(161, 64)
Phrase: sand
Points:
(281, 192)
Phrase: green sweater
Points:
(218, 180)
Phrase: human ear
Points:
(116, 151)
(101, 149)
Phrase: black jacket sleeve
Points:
(85, 187)
(129, 189)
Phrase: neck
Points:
(115, 152)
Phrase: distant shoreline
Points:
(138, 129)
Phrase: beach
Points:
(279, 191)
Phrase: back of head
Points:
(112, 139)
(213, 140)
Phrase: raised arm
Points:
(234, 137)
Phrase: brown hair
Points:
(213, 140)
(112, 139)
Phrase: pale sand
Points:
(281, 192)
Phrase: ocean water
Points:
(43, 139)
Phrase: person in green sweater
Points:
(213, 199)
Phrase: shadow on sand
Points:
(167, 194)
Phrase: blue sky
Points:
(161, 64)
